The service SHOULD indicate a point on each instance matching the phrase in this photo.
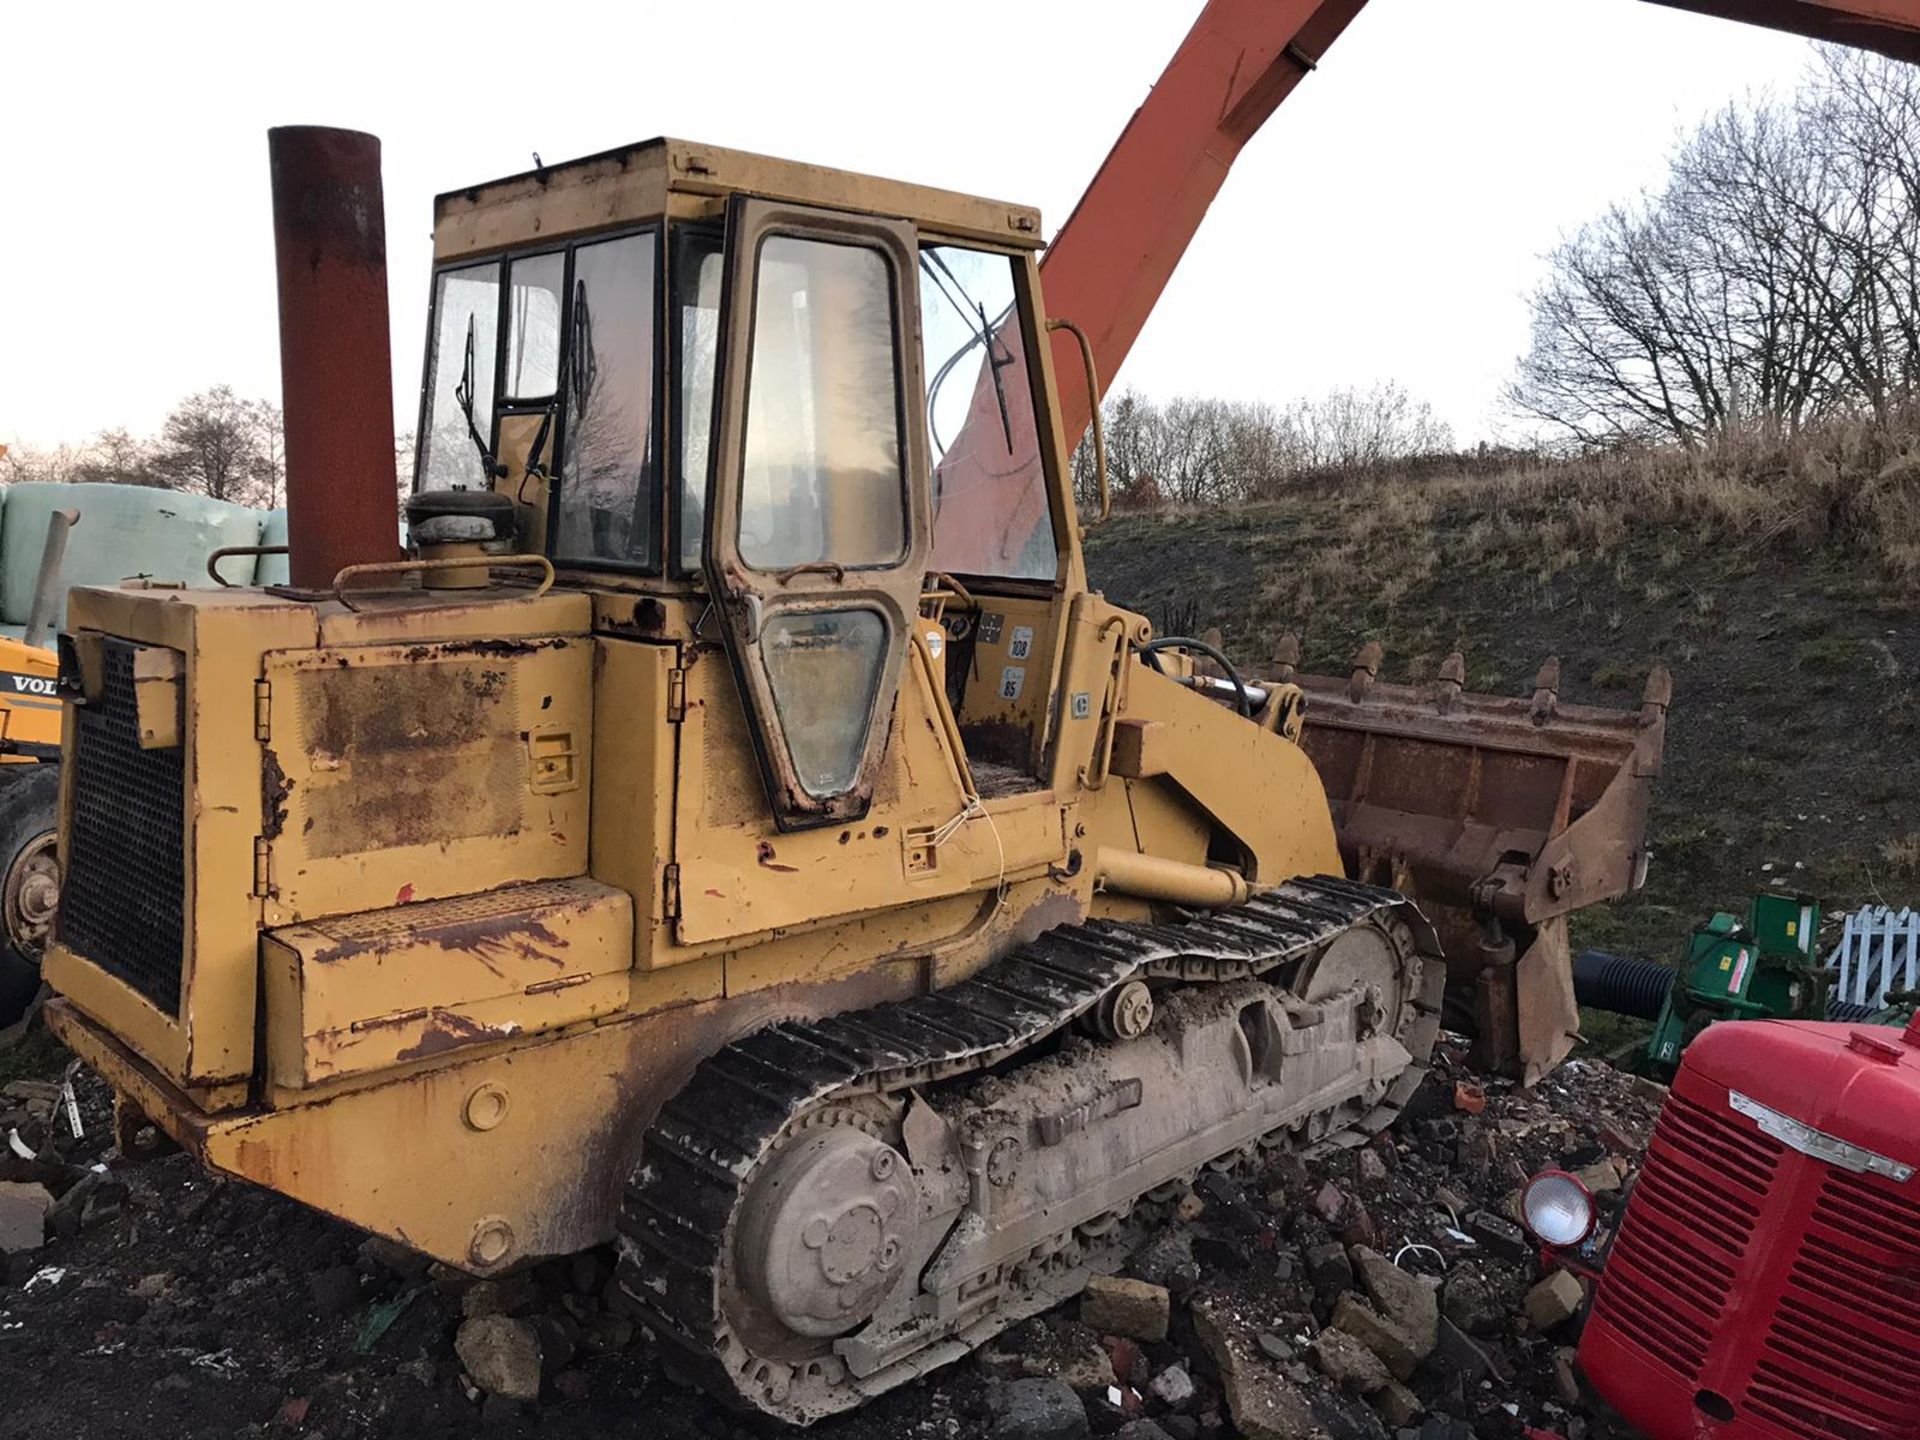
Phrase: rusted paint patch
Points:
(649, 620)
(275, 786)
(765, 855)
(384, 708)
(401, 799)
(446, 1030)
(485, 939)
(411, 755)
(500, 648)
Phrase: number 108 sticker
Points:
(1021, 645)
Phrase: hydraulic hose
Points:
(1149, 650)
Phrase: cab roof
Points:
(642, 182)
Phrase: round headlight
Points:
(1557, 1208)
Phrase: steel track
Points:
(707, 1144)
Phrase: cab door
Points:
(818, 528)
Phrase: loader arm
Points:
(1112, 259)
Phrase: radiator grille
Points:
(122, 897)
(1836, 1362)
(1693, 1213)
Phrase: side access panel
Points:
(397, 773)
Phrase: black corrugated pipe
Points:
(1621, 985)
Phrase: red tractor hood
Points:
(1856, 1083)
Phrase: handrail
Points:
(225, 551)
(453, 562)
(1093, 397)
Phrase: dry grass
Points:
(1902, 856)
(1847, 482)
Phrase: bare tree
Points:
(268, 471)
(21, 466)
(1771, 280)
(1349, 429)
(210, 445)
(1194, 451)
(405, 445)
(117, 457)
(114, 457)
(213, 443)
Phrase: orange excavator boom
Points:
(1889, 26)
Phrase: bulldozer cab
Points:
(809, 403)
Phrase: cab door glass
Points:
(822, 665)
(817, 527)
(823, 481)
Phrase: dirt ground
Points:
(187, 1305)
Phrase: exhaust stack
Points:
(336, 365)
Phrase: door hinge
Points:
(676, 695)
(262, 855)
(670, 892)
(262, 710)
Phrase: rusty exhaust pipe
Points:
(336, 365)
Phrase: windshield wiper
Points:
(490, 468)
(982, 332)
(577, 374)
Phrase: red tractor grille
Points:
(1693, 1213)
(1836, 1362)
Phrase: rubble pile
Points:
(1379, 1293)
(1382, 1292)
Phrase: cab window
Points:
(990, 510)
(608, 505)
(559, 358)
(697, 270)
(535, 284)
(462, 345)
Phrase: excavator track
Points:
(779, 1116)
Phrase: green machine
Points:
(1765, 968)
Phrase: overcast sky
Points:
(1386, 224)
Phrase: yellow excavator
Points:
(30, 715)
(734, 826)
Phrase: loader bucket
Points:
(1499, 817)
